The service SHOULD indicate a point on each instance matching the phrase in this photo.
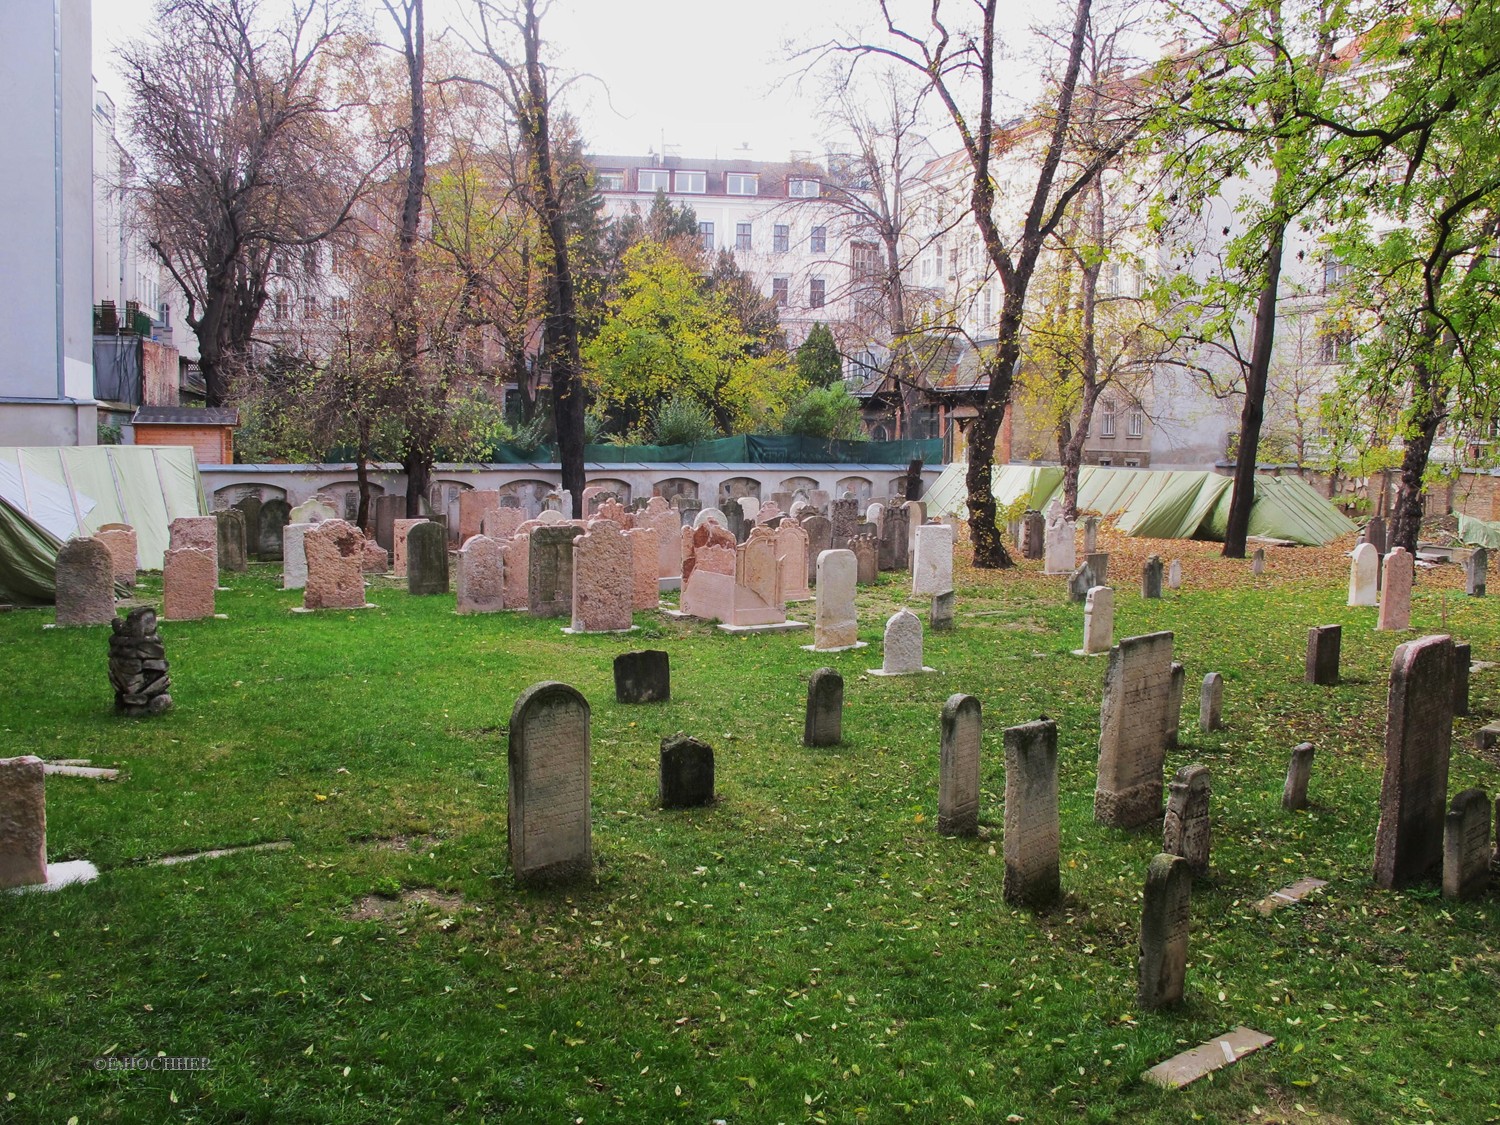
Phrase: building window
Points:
(820, 240)
(937, 257)
(1336, 347)
(742, 183)
(310, 306)
(1107, 420)
(816, 291)
(692, 183)
(339, 306)
(1135, 423)
(780, 291)
(864, 261)
(953, 263)
(1105, 462)
(742, 236)
(653, 179)
(706, 235)
(1132, 462)
(781, 238)
(986, 304)
(282, 306)
(803, 189)
(1335, 273)
(609, 181)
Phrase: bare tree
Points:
(241, 154)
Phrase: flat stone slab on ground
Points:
(840, 648)
(882, 672)
(1190, 1066)
(68, 769)
(172, 860)
(61, 875)
(1289, 896)
(333, 609)
(775, 627)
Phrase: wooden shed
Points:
(208, 430)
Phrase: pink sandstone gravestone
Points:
(481, 576)
(1395, 592)
(199, 532)
(473, 505)
(335, 575)
(667, 523)
(399, 531)
(23, 822)
(123, 549)
(188, 578)
(645, 561)
(603, 579)
(85, 583)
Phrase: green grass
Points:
(806, 949)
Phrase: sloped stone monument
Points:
(1164, 933)
(549, 826)
(958, 766)
(1133, 731)
(823, 724)
(1187, 827)
(1414, 789)
(1033, 831)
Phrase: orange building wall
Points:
(214, 445)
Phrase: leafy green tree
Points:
(818, 361)
(825, 412)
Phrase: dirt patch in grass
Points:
(404, 843)
(1283, 1108)
(443, 905)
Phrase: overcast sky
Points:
(702, 77)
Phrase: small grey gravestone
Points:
(958, 767)
(687, 773)
(824, 722)
(1414, 787)
(231, 529)
(23, 822)
(902, 651)
(1174, 575)
(1090, 534)
(1151, 577)
(643, 677)
(1081, 582)
(1098, 622)
(1033, 832)
(1187, 828)
(1178, 685)
(548, 824)
(1462, 659)
(942, 612)
(85, 583)
(388, 509)
(1323, 645)
(1298, 774)
(819, 539)
(249, 507)
(1466, 846)
(1211, 702)
(549, 589)
(1475, 569)
(1374, 534)
(1164, 932)
(1033, 534)
(427, 559)
(1133, 731)
(1098, 562)
(866, 552)
(1258, 561)
(274, 516)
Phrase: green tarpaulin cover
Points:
(1477, 532)
(746, 449)
(1158, 503)
(50, 494)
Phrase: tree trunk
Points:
(1253, 412)
(984, 532)
(1073, 453)
(418, 478)
(1422, 428)
(417, 454)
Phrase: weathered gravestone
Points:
(823, 724)
(941, 615)
(1395, 591)
(197, 532)
(1298, 774)
(1211, 704)
(335, 553)
(549, 587)
(1133, 731)
(645, 566)
(123, 550)
(643, 677)
(819, 539)
(427, 559)
(1164, 932)
(842, 520)
(1090, 534)
(1258, 561)
(230, 524)
(188, 578)
(388, 509)
(473, 505)
(274, 515)
(1061, 552)
(1466, 846)
(902, 654)
(791, 555)
(1174, 575)
(1363, 568)
(1323, 645)
(294, 555)
(481, 576)
(1081, 582)
(316, 510)
(138, 664)
(1151, 577)
(686, 778)
(1174, 703)
(548, 823)
(932, 567)
(249, 507)
(23, 822)
(1462, 660)
(501, 522)
(958, 766)
(1374, 535)
(400, 552)
(1187, 829)
(667, 523)
(1033, 832)
(895, 539)
(1098, 621)
(836, 626)
(1414, 789)
(85, 583)
(1476, 569)
(866, 558)
(1098, 562)
(1033, 534)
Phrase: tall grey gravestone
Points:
(941, 617)
(1133, 731)
(1323, 645)
(231, 527)
(1033, 832)
(1174, 703)
(548, 824)
(1099, 563)
(824, 722)
(1466, 846)
(23, 822)
(249, 507)
(388, 509)
(643, 677)
(1033, 535)
(274, 516)
(85, 583)
(1211, 702)
(1475, 572)
(837, 623)
(1462, 661)
(844, 515)
(1081, 582)
(1151, 574)
(958, 767)
(895, 539)
(819, 539)
(550, 575)
(1414, 789)
(427, 559)
(1187, 828)
(1374, 534)
(686, 779)
(1164, 932)
(1298, 774)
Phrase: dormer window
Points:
(691, 183)
(742, 183)
(803, 189)
(653, 179)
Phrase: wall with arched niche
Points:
(673, 487)
(792, 484)
(345, 496)
(232, 494)
(620, 488)
(735, 487)
(860, 486)
(530, 493)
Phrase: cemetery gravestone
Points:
(401, 530)
(1098, 621)
(603, 579)
(198, 532)
(294, 556)
(274, 515)
(866, 558)
(941, 616)
(23, 822)
(548, 823)
(1413, 791)
(1466, 846)
(549, 588)
(819, 539)
(230, 525)
(388, 509)
(958, 767)
(791, 553)
(1081, 582)
(1098, 562)
(1174, 575)
(1061, 544)
(1133, 731)
(1363, 568)
(427, 559)
(249, 507)
(667, 524)
(1090, 534)
(473, 505)
(836, 626)
(903, 646)
(1298, 774)
(501, 522)
(481, 576)
(643, 677)
(188, 578)
(1323, 644)
(895, 539)
(823, 724)
(1462, 660)
(1211, 704)
(1033, 832)
(1174, 703)
(1164, 932)
(932, 568)
(1476, 569)
(645, 561)
(1258, 561)
(1186, 829)
(85, 583)
(686, 779)
(138, 664)
(1374, 535)
(335, 565)
(1033, 535)
(1151, 577)
(123, 551)
(845, 514)
(1395, 593)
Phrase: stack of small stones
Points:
(138, 665)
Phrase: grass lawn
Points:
(806, 949)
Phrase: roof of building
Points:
(187, 416)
